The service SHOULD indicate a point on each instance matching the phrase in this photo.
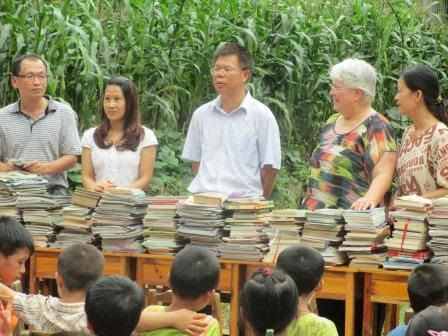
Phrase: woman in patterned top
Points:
(422, 166)
(353, 163)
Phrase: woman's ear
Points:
(419, 96)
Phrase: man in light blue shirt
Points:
(233, 141)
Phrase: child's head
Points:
(113, 306)
(194, 273)
(428, 285)
(79, 266)
(16, 246)
(429, 322)
(69, 333)
(304, 265)
(268, 301)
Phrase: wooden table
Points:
(382, 286)
(152, 270)
(342, 283)
(43, 265)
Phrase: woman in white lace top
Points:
(120, 152)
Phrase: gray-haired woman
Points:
(353, 163)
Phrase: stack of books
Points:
(364, 240)
(324, 231)
(75, 227)
(410, 234)
(248, 230)
(15, 183)
(200, 221)
(41, 215)
(118, 219)
(20, 183)
(86, 198)
(288, 223)
(159, 226)
(438, 230)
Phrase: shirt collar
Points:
(244, 106)
(51, 107)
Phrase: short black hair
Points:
(304, 265)
(18, 61)
(69, 333)
(113, 306)
(243, 54)
(194, 272)
(80, 265)
(431, 318)
(14, 236)
(269, 301)
(428, 285)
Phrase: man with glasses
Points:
(233, 141)
(38, 133)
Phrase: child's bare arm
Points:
(6, 291)
(184, 320)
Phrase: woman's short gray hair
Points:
(356, 74)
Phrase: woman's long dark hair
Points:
(422, 78)
(133, 132)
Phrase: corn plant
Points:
(166, 47)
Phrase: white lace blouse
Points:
(121, 167)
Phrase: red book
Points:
(420, 255)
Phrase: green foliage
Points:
(166, 46)
(171, 175)
(74, 176)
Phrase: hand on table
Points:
(103, 186)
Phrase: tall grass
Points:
(166, 46)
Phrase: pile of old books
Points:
(159, 226)
(248, 229)
(77, 219)
(408, 244)
(364, 240)
(288, 223)
(86, 198)
(41, 214)
(324, 230)
(75, 227)
(200, 220)
(438, 230)
(15, 183)
(118, 219)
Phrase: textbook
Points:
(420, 255)
(413, 202)
(125, 191)
(86, 198)
(210, 198)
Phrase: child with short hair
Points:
(113, 306)
(305, 266)
(16, 246)
(427, 285)
(193, 279)
(268, 302)
(78, 267)
(432, 321)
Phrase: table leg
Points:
(234, 300)
(350, 304)
(367, 315)
(33, 279)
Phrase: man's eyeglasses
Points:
(30, 77)
(224, 70)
